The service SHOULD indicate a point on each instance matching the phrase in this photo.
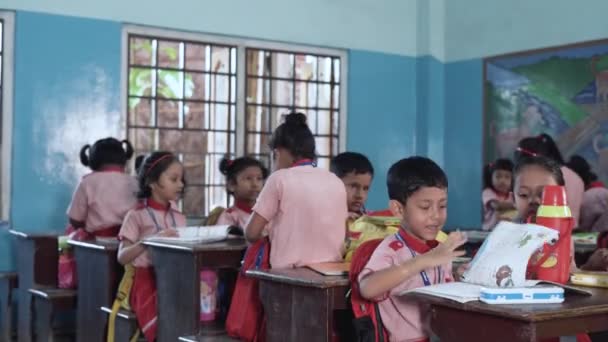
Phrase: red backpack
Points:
(245, 319)
(367, 321)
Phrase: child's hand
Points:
(446, 251)
(167, 233)
(598, 261)
(461, 269)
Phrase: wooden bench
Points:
(8, 282)
(126, 324)
(46, 303)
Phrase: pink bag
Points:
(67, 271)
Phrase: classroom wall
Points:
(415, 70)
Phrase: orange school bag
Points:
(367, 322)
(245, 319)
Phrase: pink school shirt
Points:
(306, 210)
(139, 224)
(102, 199)
(490, 216)
(405, 320)
(574, 192)
(237, 215)
(593, 210)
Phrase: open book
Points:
(501, 262)
(331, 268)
(201, 234)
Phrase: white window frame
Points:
(241, 77)
(8, 33)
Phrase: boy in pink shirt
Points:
(411, 258)
(302, 207)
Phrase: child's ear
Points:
(231, 186)
(396, 208)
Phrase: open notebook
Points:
(501, 262)
(201, 234)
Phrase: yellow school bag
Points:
(122, 302)
(373, 227)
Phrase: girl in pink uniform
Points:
(104, 196)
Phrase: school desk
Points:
(478, 322)
(98, 276)
(177, 268)
(300, 304)
(37, 256)
(8, 282)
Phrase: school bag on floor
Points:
(245, 319)
(368, 228)
(367, 321)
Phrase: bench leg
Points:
(6, 312)
(125, 329)
(43, 320)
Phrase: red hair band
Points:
(528, 152)
(158, 161)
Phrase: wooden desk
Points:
(477, 322)
(177, 268)
(98, 276)
(37, 261)
(299, 303)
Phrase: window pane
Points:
(194, 167)
(219, 116)
(219, 88)
(258, 119)
(168, 113)
(170, 84)
(169, 54)
(306, 94)
(196, 55)
(325, 68)
(182, 141)
(143, 139)
(141, 51)
(194, 201)
(258, 90)
(282, 93)
(194, 86)
(220, 59)
(282, 65)
(140, 82)
(306, 67)
(141, 111)
(194, 115)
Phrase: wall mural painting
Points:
(562, 92)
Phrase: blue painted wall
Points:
(63, 67)
(381, 113)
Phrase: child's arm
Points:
(255, 227)
(501, 205)
(380, 282)
(128, 251)
(76, 224)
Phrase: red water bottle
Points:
(553, 262)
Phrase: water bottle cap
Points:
(554, 195)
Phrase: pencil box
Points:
(522, 295)
(594, 279)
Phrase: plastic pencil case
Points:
(595, 279)
(522, 295)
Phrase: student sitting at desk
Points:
(595, 198)
(103, 197)
(302, 207)
(244, 180)
(160, 184)
(356, 172)
(411, 258)
(497, 196)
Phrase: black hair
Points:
(411, 174)
(579, 165)
(232, 168)
(542, 145)
(545, 163)
(294, 136)
(151, 168)
(138, 161)
(350, 162)
(108, 151)
(489, 169)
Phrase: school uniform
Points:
(102, 199)
(404, 319)
(306, 212)
(147, 219)
(237, 215)
(490, 215)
